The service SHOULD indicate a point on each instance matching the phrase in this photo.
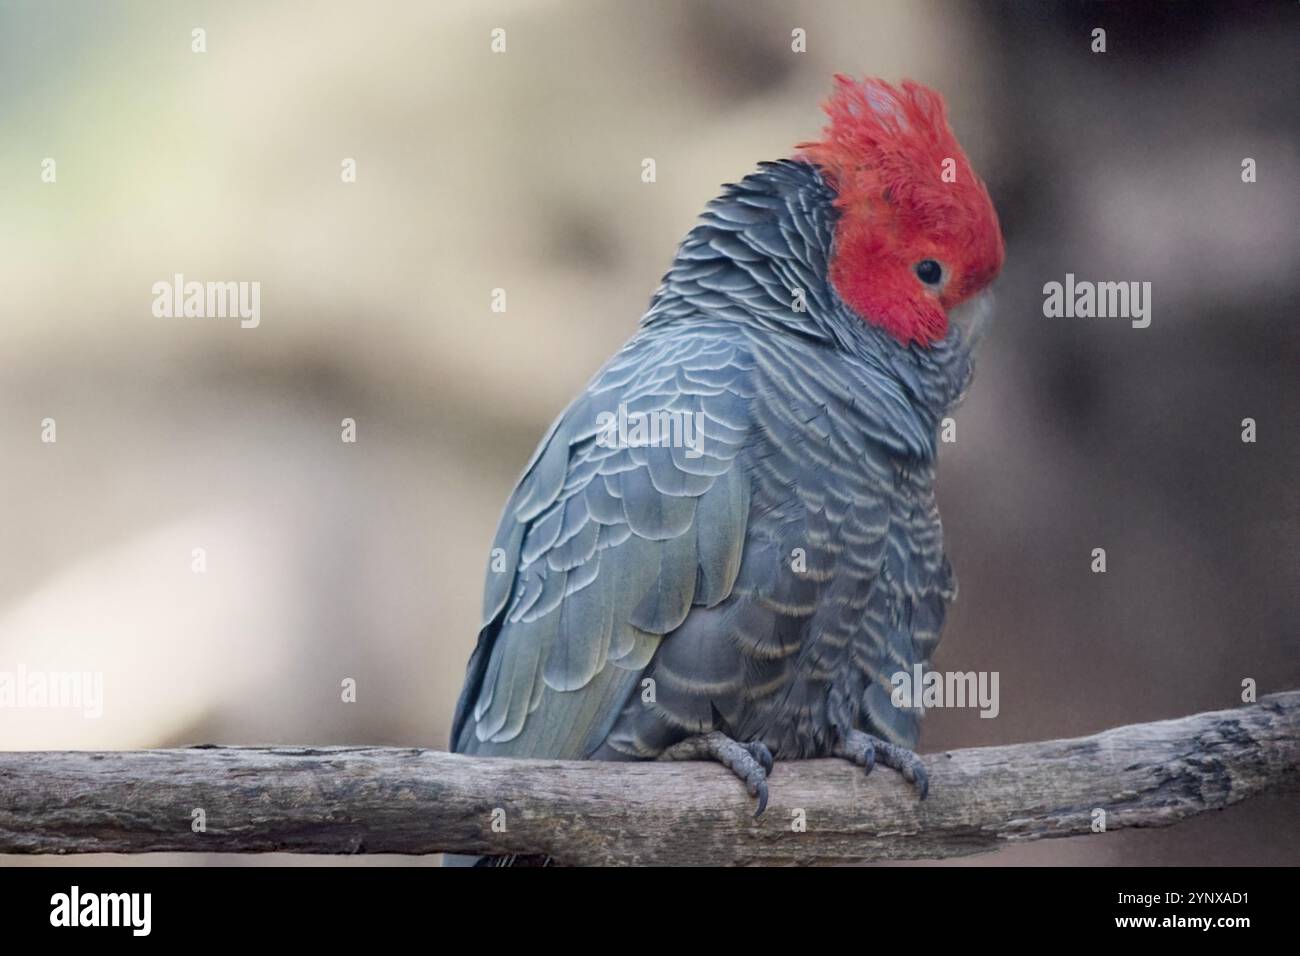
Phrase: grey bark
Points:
(396, 800)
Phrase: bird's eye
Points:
(929, 271)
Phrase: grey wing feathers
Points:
(604, 548)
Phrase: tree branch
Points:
(394, 800)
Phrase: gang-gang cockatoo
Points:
(745, 593)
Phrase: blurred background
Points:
(521, 170)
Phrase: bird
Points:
(741, 583)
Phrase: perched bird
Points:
(743, 587)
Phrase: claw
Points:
(751, 762)
(864, 750)
(758, 750)
(919, 777)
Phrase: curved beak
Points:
(973, 317)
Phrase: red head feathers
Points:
(917, 232)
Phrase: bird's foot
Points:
(865, 751)
(750, 762)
